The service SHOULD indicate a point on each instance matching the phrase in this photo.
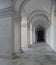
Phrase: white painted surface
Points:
(6, 48)
(53, 29)
(17, 36)
(5, 4)
(6, 27)
(33, 35)
(47, 36)
(38, 5)
(28, 35)
(24, 30)
(31, 40)
(24, 37)
(18, 4)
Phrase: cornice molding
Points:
(9, 12)
(6, 12)
(37, 12)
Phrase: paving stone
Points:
(39, 54)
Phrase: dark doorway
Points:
(40, 35)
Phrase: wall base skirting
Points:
(19, 52)
(9, 57)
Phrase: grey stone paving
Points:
(38, 54)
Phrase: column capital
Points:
(6, 12)
(20, 18)
(10, 11)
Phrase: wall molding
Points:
(38, 12)
(8, 12)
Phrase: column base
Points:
(9, 57)
(29, 46)
(19, 52)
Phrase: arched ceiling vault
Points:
(40, 18)
(36, 10)
(39, 27)
(33, 5)
(44, 25)
(19, 5)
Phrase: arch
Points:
(37, 23)
(24, 2)
(39, 17)
(38, 13)
(35, 13)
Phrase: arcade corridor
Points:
(27, 32)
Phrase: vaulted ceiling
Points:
(30, 9)
(35, 10)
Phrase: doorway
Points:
(40, 35)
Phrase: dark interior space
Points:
(40, 35)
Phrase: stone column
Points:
(28, 35)
(31, 40)
(33, 35)
(7, 33)
(18, 35)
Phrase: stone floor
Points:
(38, 54)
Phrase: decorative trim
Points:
(39, 12)
(24, 2)
(9, 57)
(39, 15)
(8, 12)
(24, 25)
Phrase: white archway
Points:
(35, 19)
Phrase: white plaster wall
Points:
(17, 36)
(53, 31)
(53, 34)
(18, 4)
(47, 36)
(24, 29)
(5, 36)
(24, 37)
(28, 35)
(54, 44)
(33, 35)
(5, 4)
(38, 5)
(31, 40)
